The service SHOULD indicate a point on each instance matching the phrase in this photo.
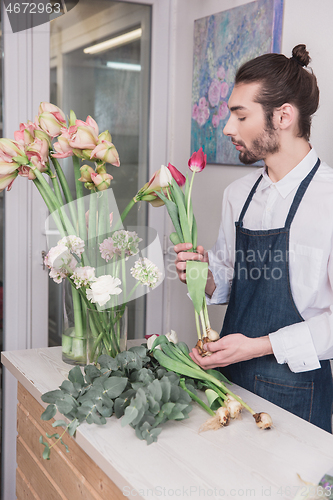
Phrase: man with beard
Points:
(273, 260)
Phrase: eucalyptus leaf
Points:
(49, 413)
(59, 423)
(196, 279)
(52, 396)
(115, 386)
(107, 362)
(130, 414)
(65, 445)
(68, 386)
(73, 426)
(76, 377)
(91, 373)
(50, 436)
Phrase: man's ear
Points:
(285, 116)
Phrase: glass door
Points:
(100, 66)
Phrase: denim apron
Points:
(261, 302)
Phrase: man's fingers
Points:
(182, 247)
(215, 346)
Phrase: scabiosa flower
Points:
(83, 276)
(107, 249)
(74, 243)
(146, 272)
(126, 242)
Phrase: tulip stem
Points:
(189, 198)
(79, 198)
(197, 324)
(205, 310)
(195, 397)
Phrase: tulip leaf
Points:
(211, 396)
(174, 238)
(196, 279)
(173, 213)
(194, 234)
(180, 202)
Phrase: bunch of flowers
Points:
(93, 248)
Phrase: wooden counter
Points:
(110, 462)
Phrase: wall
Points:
(305, 21)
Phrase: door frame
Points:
(26, 83)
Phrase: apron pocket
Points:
(295, 397)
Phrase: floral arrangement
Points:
(93, 250)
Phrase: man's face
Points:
(247, 127)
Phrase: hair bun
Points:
(301, 55)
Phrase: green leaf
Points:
(155, 390)
(66, 405)
(166, 389)
(173, 214)
(59, 423)
(130, 414)
(194, 233)
(46, 452)
(140, 350)
(52, 396)
(65, 445)
(174, 238)
(49, 413)
(75, 375)
(168, 407)
(196, 279)
(211, 396)
(107, 362)
(73, 426)
(179, 197)
(50, 436)
(91, 372)
(68, 387)
(217, 374)
(115, 386)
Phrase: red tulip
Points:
(198, 160)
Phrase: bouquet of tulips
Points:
(93, 247)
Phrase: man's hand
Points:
(232, 349)
(183, 256)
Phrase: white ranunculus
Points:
(172, 337)
(100, 291)
(58, 257)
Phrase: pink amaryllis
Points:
(62, 147)
(50, 118)
(106, 152)
(101, 181)
(198, 161)
(6, 181)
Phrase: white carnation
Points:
(74, 243)
(102, 288)
(83, 276)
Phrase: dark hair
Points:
(284, 80)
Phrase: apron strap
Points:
(248, 201)
(299, 195)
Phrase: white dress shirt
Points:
(303, 344)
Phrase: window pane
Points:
(109, 85)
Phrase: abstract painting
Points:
(222, 43)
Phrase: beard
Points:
(266, 143)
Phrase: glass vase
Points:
(106, 332)
(74, 332)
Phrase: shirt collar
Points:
(293, 178)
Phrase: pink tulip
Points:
(198, 160)
(6, 181)
(101, 181)
(178, 176)
(106, 152)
